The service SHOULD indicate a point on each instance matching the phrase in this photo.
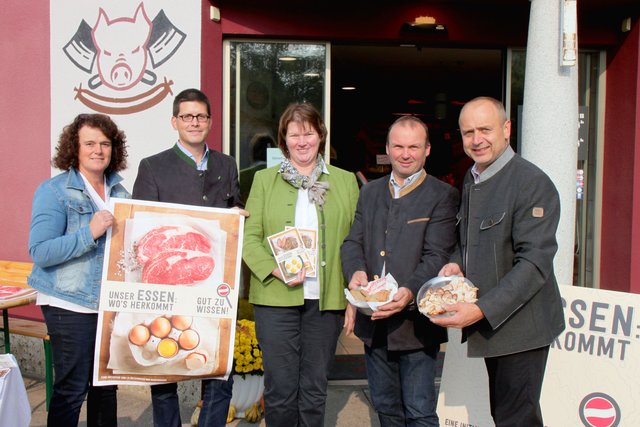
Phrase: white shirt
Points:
(307, 217)
(44, 299)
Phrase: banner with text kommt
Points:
(168, 301)
(592, 373)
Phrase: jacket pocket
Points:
(492, 220)
(415, 220)
(79, 214)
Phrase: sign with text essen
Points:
(592, 371)
(169, 294)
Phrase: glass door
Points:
(261, 79)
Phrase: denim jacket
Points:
(67, 261)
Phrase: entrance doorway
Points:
(372, 85)
(361, 90)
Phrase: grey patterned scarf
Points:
(317, 189)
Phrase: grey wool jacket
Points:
(507, 242)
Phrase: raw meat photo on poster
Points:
(173, 249)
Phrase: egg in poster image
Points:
(163, 344)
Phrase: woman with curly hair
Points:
(69, 221)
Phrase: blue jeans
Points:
(73, 337)
(402, 386)
(165, 404)
(216, 396)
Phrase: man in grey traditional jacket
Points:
(507, 225)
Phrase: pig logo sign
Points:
(122, 48)
(120, 55)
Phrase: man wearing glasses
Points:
(190, 173)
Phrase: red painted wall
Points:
(211, 73)
(620, 240)
(25, 116)
(378, 21)
(25, 123)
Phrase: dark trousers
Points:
(73, 337)
(298, 346)
(216, 396)
(515, 385)
(402, 386)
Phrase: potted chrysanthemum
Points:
(248, 383)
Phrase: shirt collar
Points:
(494, 167)
(205, 158)
(397, 188)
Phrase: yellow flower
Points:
(247, 355)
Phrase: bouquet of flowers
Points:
(247, 356)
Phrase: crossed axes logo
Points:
(120, 54)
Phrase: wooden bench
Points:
(14, 273)
(37, 329)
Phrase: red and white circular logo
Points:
(224, 290)
(599, 410)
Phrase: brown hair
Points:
(190, 95)
(301, 113)
(68, 144)
(410, 121)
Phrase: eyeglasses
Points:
(188, 118)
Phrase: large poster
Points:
(127, 59)
(169, 294)
(592, 373)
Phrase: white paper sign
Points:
(592, 373)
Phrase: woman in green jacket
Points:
(298, 322)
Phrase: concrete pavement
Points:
(348, 405)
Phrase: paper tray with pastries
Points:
(377, 292)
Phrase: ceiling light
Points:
(348, 88)
(424, 23)
(287, 58)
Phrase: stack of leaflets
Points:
(295, 249)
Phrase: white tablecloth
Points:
(14, 402)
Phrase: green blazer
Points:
(272, 205)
